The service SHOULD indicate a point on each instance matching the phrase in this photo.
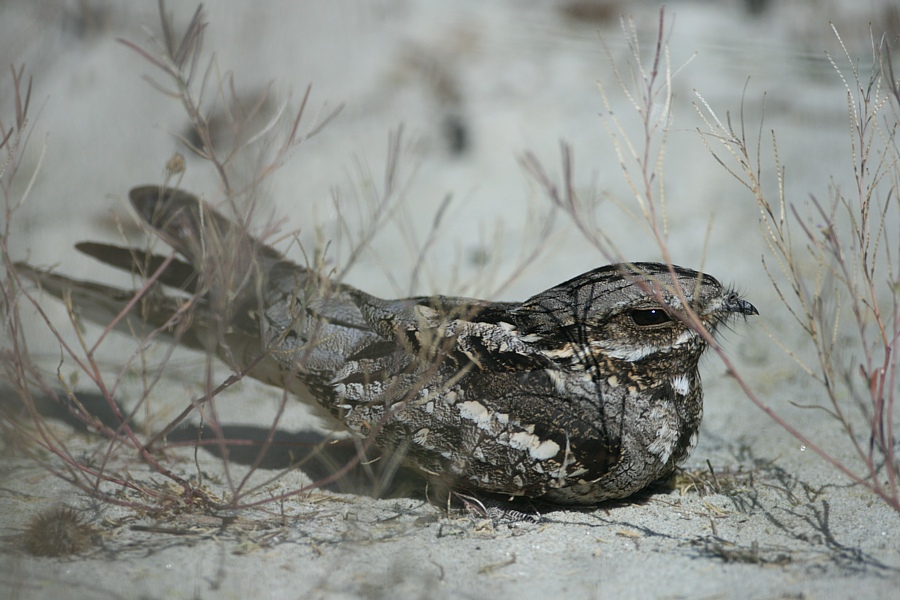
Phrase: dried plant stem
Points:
(853, 267)
(178, 58)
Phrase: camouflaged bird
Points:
(586, 392)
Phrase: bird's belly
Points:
(650, 450)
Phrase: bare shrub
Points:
(138, 453)
(845, 266)
(641, 159)
(97, 399)
(834, 264)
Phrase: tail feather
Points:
(177, 274)
(104, 304)
(192, 227)
(245, 296)
(225, 270)
(232, 267)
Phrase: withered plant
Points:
(100, 400)
(138, 453)
(835, 265)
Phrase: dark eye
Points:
(644, 317)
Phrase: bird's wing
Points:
(466, 331)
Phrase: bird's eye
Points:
(645, 317)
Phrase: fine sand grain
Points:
(474, 85)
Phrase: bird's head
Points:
(639, 313)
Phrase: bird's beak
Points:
(735, 303)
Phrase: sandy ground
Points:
(474, 87)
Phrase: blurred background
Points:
(474, 86)
(456, 96)
(459, 94)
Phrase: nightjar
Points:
(585, 392)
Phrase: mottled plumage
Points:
(585, 392)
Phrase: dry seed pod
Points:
(58, 531)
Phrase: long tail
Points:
(223, 278)
(232, 296)
(231, 266)
(105, 304)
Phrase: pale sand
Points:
(785, 525)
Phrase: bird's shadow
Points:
(335, 465)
